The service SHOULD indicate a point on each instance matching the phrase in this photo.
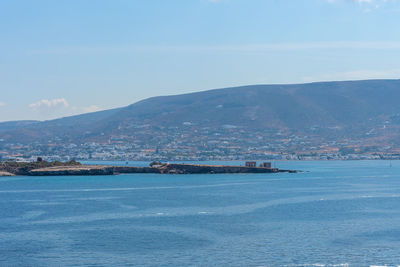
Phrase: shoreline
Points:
(6, 174)
(78, 170)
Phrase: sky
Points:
(66, 57)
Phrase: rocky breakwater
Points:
(213, 169)
(4, 173)
(41, 167)
(130, 169)
(73, 170)
(174, 168)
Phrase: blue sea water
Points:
(337, 213)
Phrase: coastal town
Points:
(191, 143)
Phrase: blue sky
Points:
(65, 57)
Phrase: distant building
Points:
(266, 165)
(251, 164)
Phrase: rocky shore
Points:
(78, 169)
(4, 173)
(73, 170)
(210, 169)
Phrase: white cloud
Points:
(46, 109)
(92, 108)
(50, 104)
(2, 104)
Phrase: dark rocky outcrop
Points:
(74, 170)
(78, 169)
(197, 169)
(211, 169)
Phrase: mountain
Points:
(325, 110)
(273, 106)
(11, 125)
(65, 129)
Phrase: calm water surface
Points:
(337, 214)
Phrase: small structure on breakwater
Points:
(251, 164)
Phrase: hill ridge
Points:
(329, 113)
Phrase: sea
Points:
(334, 213)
